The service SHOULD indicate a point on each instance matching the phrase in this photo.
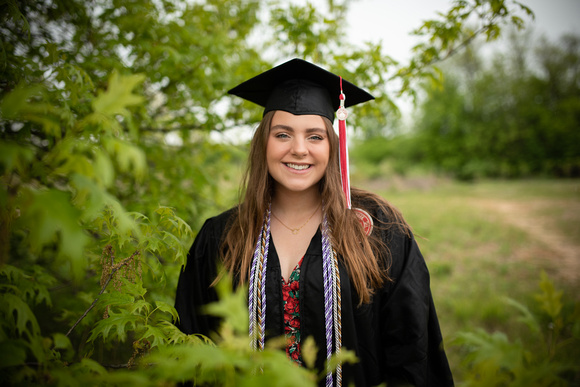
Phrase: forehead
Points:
(292, 121)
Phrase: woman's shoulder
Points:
(378, 207)
(224, 218)
(214, 226)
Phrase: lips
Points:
(298, 167)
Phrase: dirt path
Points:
(563, 251)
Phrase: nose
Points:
(299, 147)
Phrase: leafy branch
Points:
(114, 268)
(450, 35)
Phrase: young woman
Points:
(352, 278)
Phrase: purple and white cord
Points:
(257, 286)
(264, 262)
(332, 298)
(252, 294)
(337, 309)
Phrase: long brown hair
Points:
(366, 259)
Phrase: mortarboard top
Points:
(300, 87)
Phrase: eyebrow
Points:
(290, 129)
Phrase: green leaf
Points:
(105, 172)
(62, 347)
(129, 157)
(115, 298)
(180, 227)
(24, 103)
(154, 245)
(176, 336)
(186, 362)
(172, 241)
(50, 218)
(165, 307)
(88, 196)
(119, 323)
(231, 305)
(123, 227)
(14, 104)
(155, 335)
(119, 95)
(89, 366)
(75, 163)
(550, 298)
(526, 316)
(309, 351)
(139, 306)
(19, 315)
(493, 355)
(14, 156)
(345, 356)
(33, 288)
(135, 289)
(61, 341)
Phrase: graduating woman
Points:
(319, 259)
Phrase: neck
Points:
(295, 204)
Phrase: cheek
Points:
(331, 163)
(272, 153)
(327, 154)
(269, 147)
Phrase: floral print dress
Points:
(290, 293)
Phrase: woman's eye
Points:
(316, 138)
(282, 135)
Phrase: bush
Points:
(545, 355)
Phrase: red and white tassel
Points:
(341, 114)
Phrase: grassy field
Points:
(487, 241)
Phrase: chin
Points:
(298, 188)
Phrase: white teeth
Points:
(298, 167)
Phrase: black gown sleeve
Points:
(194, 289)
(411, 339)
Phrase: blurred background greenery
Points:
(117, 140)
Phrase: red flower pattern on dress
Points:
(291, 303)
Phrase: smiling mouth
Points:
(298, 167)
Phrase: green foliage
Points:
(232, 361)
(501, 119)
(547, 356)
(507, 120)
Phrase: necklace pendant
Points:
(295, 231)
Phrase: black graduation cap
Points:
(300, 87)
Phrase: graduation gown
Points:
(396, 337)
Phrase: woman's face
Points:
(297, 151)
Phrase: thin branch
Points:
(116, 366)
(111, 275)
(461, 45)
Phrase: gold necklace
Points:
(296, 230)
